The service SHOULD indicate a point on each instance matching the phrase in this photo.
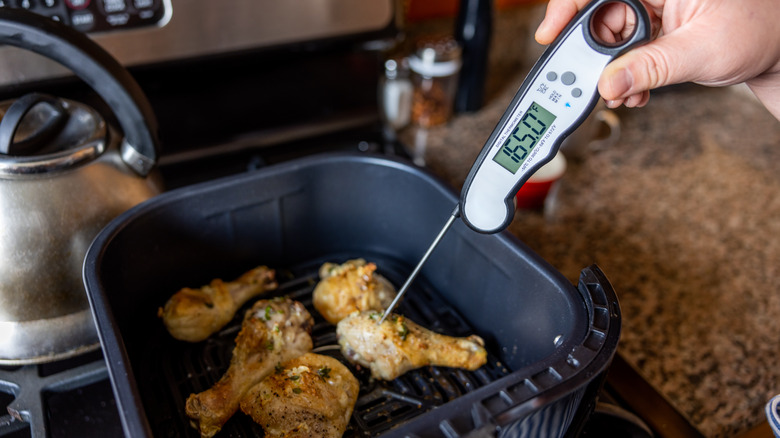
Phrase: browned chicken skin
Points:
(309, 396)
(195, 314)
(399, 345)
(274, 331)
(349, 287)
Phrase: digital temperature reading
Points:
(524, 137)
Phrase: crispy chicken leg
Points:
(399, 345)
(273, 332)
(309, 396)
(348, 287)
(195, 314)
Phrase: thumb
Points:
(670, 59)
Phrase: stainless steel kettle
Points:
(64, 174)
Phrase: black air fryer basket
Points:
(549, 342)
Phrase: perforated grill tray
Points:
(172, 370)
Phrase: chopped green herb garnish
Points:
(268, 312)
(294, 378)
(278, 369)
(297, 390)
(403, 332)
(324, 372)
(269, 345)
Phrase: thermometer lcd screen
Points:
(524, 137)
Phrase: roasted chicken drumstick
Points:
(309, 396)
(399, 345)
(353, 285)
(195, 314)
(274, 331)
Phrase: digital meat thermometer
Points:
(555, 98)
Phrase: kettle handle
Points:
(96, 67)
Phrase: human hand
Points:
(709, 42)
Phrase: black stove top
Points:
(69, 398)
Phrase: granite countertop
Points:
(683, 215)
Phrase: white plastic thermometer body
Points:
(551, 108)
(556, 97)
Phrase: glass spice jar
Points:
(395, 95)
(434, 73)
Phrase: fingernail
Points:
(612, 104)
(622, 81)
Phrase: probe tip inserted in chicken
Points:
(309, 396)
(349, 287)
(399, 345)
(274, 331)
(195, 314)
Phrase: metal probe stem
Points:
(450, 221)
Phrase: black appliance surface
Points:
(553, 339)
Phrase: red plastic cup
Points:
(534, 192)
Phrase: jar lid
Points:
(436, 57)
(397, 68)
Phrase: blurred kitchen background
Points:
(677, 202)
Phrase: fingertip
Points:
(539, 35)
(543, 32)
(637, 100)
(556, 17)
(633, 101)
(644, 99)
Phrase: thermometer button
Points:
(568, 78)
(551, 76)
(576, 92)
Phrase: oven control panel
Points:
(98, 15)
(144, 32)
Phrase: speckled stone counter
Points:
(682, 214)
